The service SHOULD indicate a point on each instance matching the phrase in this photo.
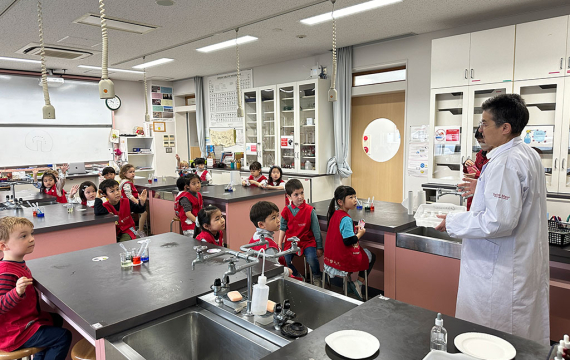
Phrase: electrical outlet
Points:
(169, 150)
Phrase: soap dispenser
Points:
(438, 336)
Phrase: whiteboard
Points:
(75, 102)
(53, 145)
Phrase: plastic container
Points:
(426, 215)
(260, 296)
(438, 335)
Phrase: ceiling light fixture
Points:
(355, 9)
(2, 58)
(106, 86)
(110, 69)
(227, 44)
(153, 63)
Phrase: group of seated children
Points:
(183, 168)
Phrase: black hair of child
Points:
(48, 174)
(204, 217)
(200, 161)
(108, 170)
(84, 185)
(270, 179)
(340, 193)
(292, 185)
(182, 182)
(261, 211)
(107, 184)
(255, 166)
(190, 177)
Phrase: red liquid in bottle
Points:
(150, 181)
(136, 260)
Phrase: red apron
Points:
(133, 189)
(60, 199)
(259, 179)
(272, 183)
(272, 244)
(299, 226)
(339, 256)
(125, 224)
(209, 238)
(19, 325)
(203, 176)
(480, 161)
(197, 204)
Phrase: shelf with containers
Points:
(305, 126)
(135, 149)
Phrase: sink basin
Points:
(430, 233)
(192, 334)
(430, 241)
(313, 306)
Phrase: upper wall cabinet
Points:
(541, 49)
(482, 57)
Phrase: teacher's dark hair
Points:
(340, 193)
(508, 108)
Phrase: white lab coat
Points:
(504, 276)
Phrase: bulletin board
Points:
(162, 103)
(222, 99)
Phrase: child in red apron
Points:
(472, 169)
(275, 181)
(87, 193)
(201, 170)
(188, 203)
(122, 207)
(299, 219)
(52, 183)
(129, 191)
(343, 254)
(256, 178)
(210, 225)
(265, 217)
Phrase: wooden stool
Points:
(83, 350)
(174, 219)
(19, 354)
(345, 283)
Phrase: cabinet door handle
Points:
(555, 163)
(563, 161)
(561, 63)
(568, 62)
(466, 74)
(462, 160)
(472, 72)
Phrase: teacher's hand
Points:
(468, 187)
(441, 227)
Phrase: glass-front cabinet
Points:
(287, 100)
(250, 126)
(268, 128)
(564, 179)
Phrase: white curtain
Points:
(341, 114)
(200, 115)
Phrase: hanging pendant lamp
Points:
(240, 112)
(106, 86)
(332, 91)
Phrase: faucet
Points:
(441, 192)
(282, 314)
(221, 288)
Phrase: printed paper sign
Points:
(540, 137)
(447, 135)
(251, 148)
(287, 142)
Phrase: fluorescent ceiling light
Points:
(227, 44)
(20, 60)
(369, 5)
(110, 69)
(153, 63)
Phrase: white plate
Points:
(353, 344)
(484, 346)
(442, 355)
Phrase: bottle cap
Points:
(261, 280)
(566, 341)
(439, 320)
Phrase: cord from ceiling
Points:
(146, 115)
(240, 112)
(332, 92)
(48, 109)
(106, 86)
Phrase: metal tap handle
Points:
(286, 304)
(218, 282)
(231, 260)
(277, 309)
(200, 249)
(294, 239)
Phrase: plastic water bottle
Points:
(438, 336)
(260, 296)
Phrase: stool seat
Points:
(18, 354)
(83, 350)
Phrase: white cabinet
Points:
(305, 126)
(564, 173)
(139, 152)
(491, 56)
(450, 61)
(482, 57)
(541, 48)
(545, 99)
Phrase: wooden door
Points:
(540, 48)
(450, 61)
(498, 68)
(383, 180)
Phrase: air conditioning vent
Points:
(55, 52)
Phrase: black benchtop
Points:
(161, 184)
(286, 172)
(57, 218)
(28, 195)
(387, 216)
(218, 192)
(101, 292)
(403, 331)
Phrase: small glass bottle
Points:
(438, 336)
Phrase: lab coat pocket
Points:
(480, 257)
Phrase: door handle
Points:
(472, 73)
(568, 62)
(466, 74)
(462, 160)
(555, 163)
(561, 63)
(562, 165)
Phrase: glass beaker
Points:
(126, 261)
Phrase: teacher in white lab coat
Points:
(504, 276)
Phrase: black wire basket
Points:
(558, 233)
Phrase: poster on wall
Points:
(540, 137)
(222, 99)
(418, 151)
(161, 100)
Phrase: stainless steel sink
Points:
(313, 306)
(430, 241)
(192, 334)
